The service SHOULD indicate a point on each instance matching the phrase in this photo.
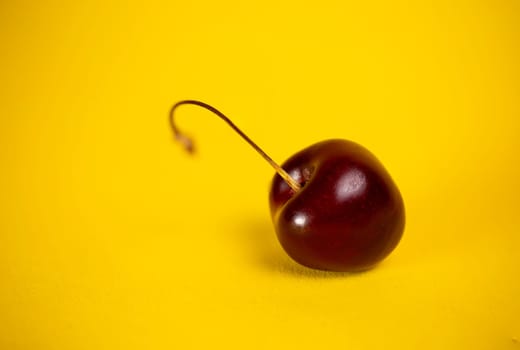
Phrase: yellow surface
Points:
(112, 238)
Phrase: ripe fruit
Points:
(333, 204)
(348, 215)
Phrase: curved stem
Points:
(188, 143)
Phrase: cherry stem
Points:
(188, 143)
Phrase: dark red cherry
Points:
(333, 204)
(348, 215)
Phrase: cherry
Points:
(333, 204)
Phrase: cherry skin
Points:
(348, 215)
(333, 204)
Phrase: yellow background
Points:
(112, 237)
